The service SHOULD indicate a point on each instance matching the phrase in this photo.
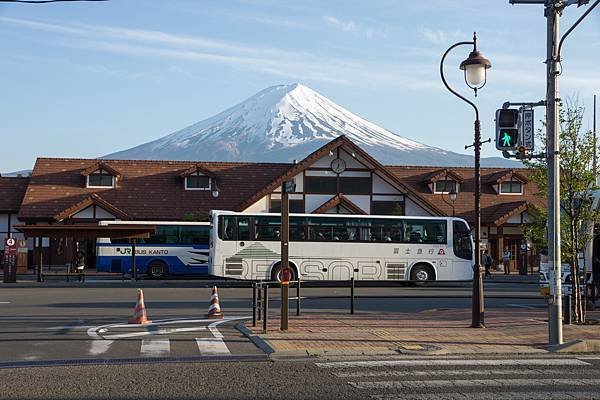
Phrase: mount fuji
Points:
(285, 123)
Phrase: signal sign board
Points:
(528, 135)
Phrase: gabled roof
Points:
(508, 210)
(443, 174)
(198, 168)
(12, 191)
(323, 151)
(147, 190)
(341, 200)
(101, 165)
(495, 208)
(506, 175)
(85, 203)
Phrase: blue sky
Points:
(87, 79)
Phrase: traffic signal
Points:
(507, 129)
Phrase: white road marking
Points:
(153, 333)
(155, 347)
(456, 372)
(484, 383)
(98, 345)
(445, 362)
(4, 302)
(589, 357)
(529, 306)
(537, 395)
(212, 346)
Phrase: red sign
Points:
(11, 247)
(286, 275)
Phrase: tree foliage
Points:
(578, 182)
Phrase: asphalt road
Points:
(89, 321)
(399, 378)
(71, 340)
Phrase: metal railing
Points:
(260, 300)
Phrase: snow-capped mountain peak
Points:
(282, 123)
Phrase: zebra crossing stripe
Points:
(455, 362)
(212, 346)
(99, 346)
(491, 396)
(474, 383)
(455, 372)
(155, 347)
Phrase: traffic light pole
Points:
(555, 331)
(285, 263)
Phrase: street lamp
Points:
(475, 69)
(453, 195)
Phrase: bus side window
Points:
(243, 229)
(228, 228)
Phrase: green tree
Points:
(578, 181)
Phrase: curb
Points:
(577, 346)
(257, 340)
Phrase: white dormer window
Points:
(444, 186)
(197, 181)
(100, 179)
(511, 187)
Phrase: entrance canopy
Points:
(87, 231)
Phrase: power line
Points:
(41, 1)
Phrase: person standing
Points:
(506, 260)
(487, 263)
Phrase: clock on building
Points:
(338, 165)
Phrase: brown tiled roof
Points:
(446, 173)
(197, 168)
(101, 165)
(147, 189)
(85, 203)
(12, 190)
(342, 200)
(505, 175)
(334, 144)
(495, 208)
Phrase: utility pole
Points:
(552, 13)
(595, 144)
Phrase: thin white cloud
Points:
(355, 27)
(170, 48)
(439, 36)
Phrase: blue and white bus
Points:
(176, 248)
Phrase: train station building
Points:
(338, 178)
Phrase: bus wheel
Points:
(422, 273)
(276, 273)
(157, 269)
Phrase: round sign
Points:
(10, 242)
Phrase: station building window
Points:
(100, 178)
(197, 181)
(511, 187)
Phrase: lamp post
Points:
(475, 70)
(452, 196)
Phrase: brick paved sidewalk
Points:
(441, 331)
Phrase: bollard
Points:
(254, 304)
(265, 307)
(298, 297)
(352, 295)
(259, 301)
(568, 319)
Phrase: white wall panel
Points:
(412, 208)
(381, 186)
(364, 202)
(314, 201)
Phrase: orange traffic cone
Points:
(139, 313)
(214, 310)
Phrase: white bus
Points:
(338, 247)
(176, 248)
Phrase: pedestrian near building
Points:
(506, 261)
(488, 261)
